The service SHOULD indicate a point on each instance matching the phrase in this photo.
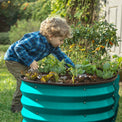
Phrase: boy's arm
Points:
(61, 55)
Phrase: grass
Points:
(3, 48)
(7, 88)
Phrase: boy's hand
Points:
(34, 65)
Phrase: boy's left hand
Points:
(34, 65)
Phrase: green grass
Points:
(7, 88)
(3, 48)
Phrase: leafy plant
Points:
(95, 38)
(89, 68)
(51, 76)
(50, 63)
(118, 59)
(31, 75)
(76, 70)
(108, 70)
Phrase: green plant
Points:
(4, 38)
(103, 66)
(75, 51)
(51, 64)
(97, 36)
(75, 10)
(108, 70)
(38, 10)
(118, 59)
(89, 68)
(75, 71)
(9, 9)
(93, 41)
(22, 27)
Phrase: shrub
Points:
(96, 39)
(22, 27)
(38, 10)
(4, 38)
(83, 11)
(10, 10)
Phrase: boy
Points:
(33, 47)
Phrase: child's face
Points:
(56, 41)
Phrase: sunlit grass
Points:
(7, 88)
(119, 116)
(7, 81)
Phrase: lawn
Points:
(7, 87)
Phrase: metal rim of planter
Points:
(75, 84)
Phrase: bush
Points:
(38, 10)
(96, 38)
(22, 27)
(83, 11)
(4, 38)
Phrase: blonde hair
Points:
(55, 26)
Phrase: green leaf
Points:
(78, 66)
(106, 66)
(80, 71)
(94, 68)
(99, 73)
(107, 75)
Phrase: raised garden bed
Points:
(57, 102)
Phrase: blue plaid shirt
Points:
(34, 46)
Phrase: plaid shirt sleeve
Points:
(61, 55)
(21, 50)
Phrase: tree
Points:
(9, 10)
(83, 11)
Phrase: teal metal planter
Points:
(70, 103)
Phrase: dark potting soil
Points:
(83, 79)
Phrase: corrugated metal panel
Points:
(53, 103)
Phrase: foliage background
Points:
(22, 27)
(83, 11)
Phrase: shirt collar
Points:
(44, 40)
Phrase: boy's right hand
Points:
(34, 65)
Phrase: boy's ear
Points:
(50, 36)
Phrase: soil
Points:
(67, 80)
